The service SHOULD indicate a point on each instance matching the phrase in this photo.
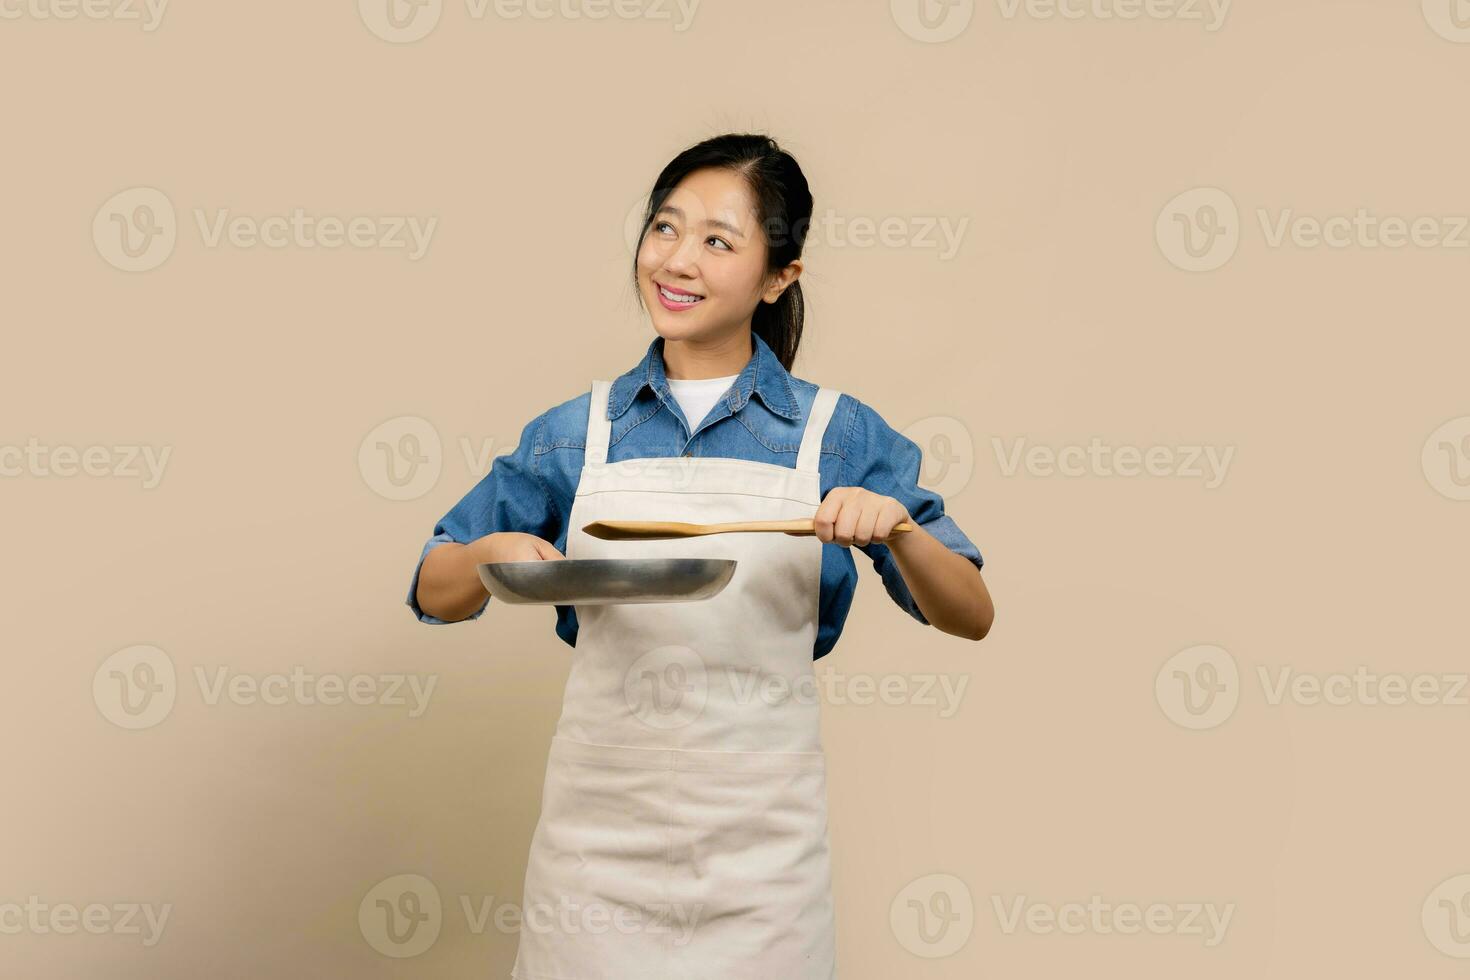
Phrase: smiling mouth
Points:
(680, 298)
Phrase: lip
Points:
(670, 304)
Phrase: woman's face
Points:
(705, 241)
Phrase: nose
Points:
(682, 259)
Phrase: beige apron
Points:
(683, 828)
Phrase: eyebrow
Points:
(711, 223)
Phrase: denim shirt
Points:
(531, 488)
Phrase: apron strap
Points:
(810, 453)
(599, 429)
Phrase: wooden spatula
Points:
(648, 530)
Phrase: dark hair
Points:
(783, 208)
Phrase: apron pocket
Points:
(750, 874)
(595, 877)
(718, 860)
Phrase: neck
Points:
(696, 360)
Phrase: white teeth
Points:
(678, 299)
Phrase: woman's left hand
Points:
(856, 516)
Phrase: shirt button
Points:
(688, 454)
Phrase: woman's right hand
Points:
(449, 583)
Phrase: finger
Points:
(824, 520)
(846, 523)
(546, 551)
(863, 532)
(883, 526)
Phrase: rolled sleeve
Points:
(513, 496)
(413, 587)
(883, 460)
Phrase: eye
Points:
(714, 238)
(661, 225)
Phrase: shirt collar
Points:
(762, 375)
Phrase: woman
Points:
(683, 827)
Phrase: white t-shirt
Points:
(697, 397)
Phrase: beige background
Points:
(1333, 834)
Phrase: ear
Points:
(778, 282)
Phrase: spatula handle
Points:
(648, 530)
(801, 527)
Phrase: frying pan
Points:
(602, 581)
